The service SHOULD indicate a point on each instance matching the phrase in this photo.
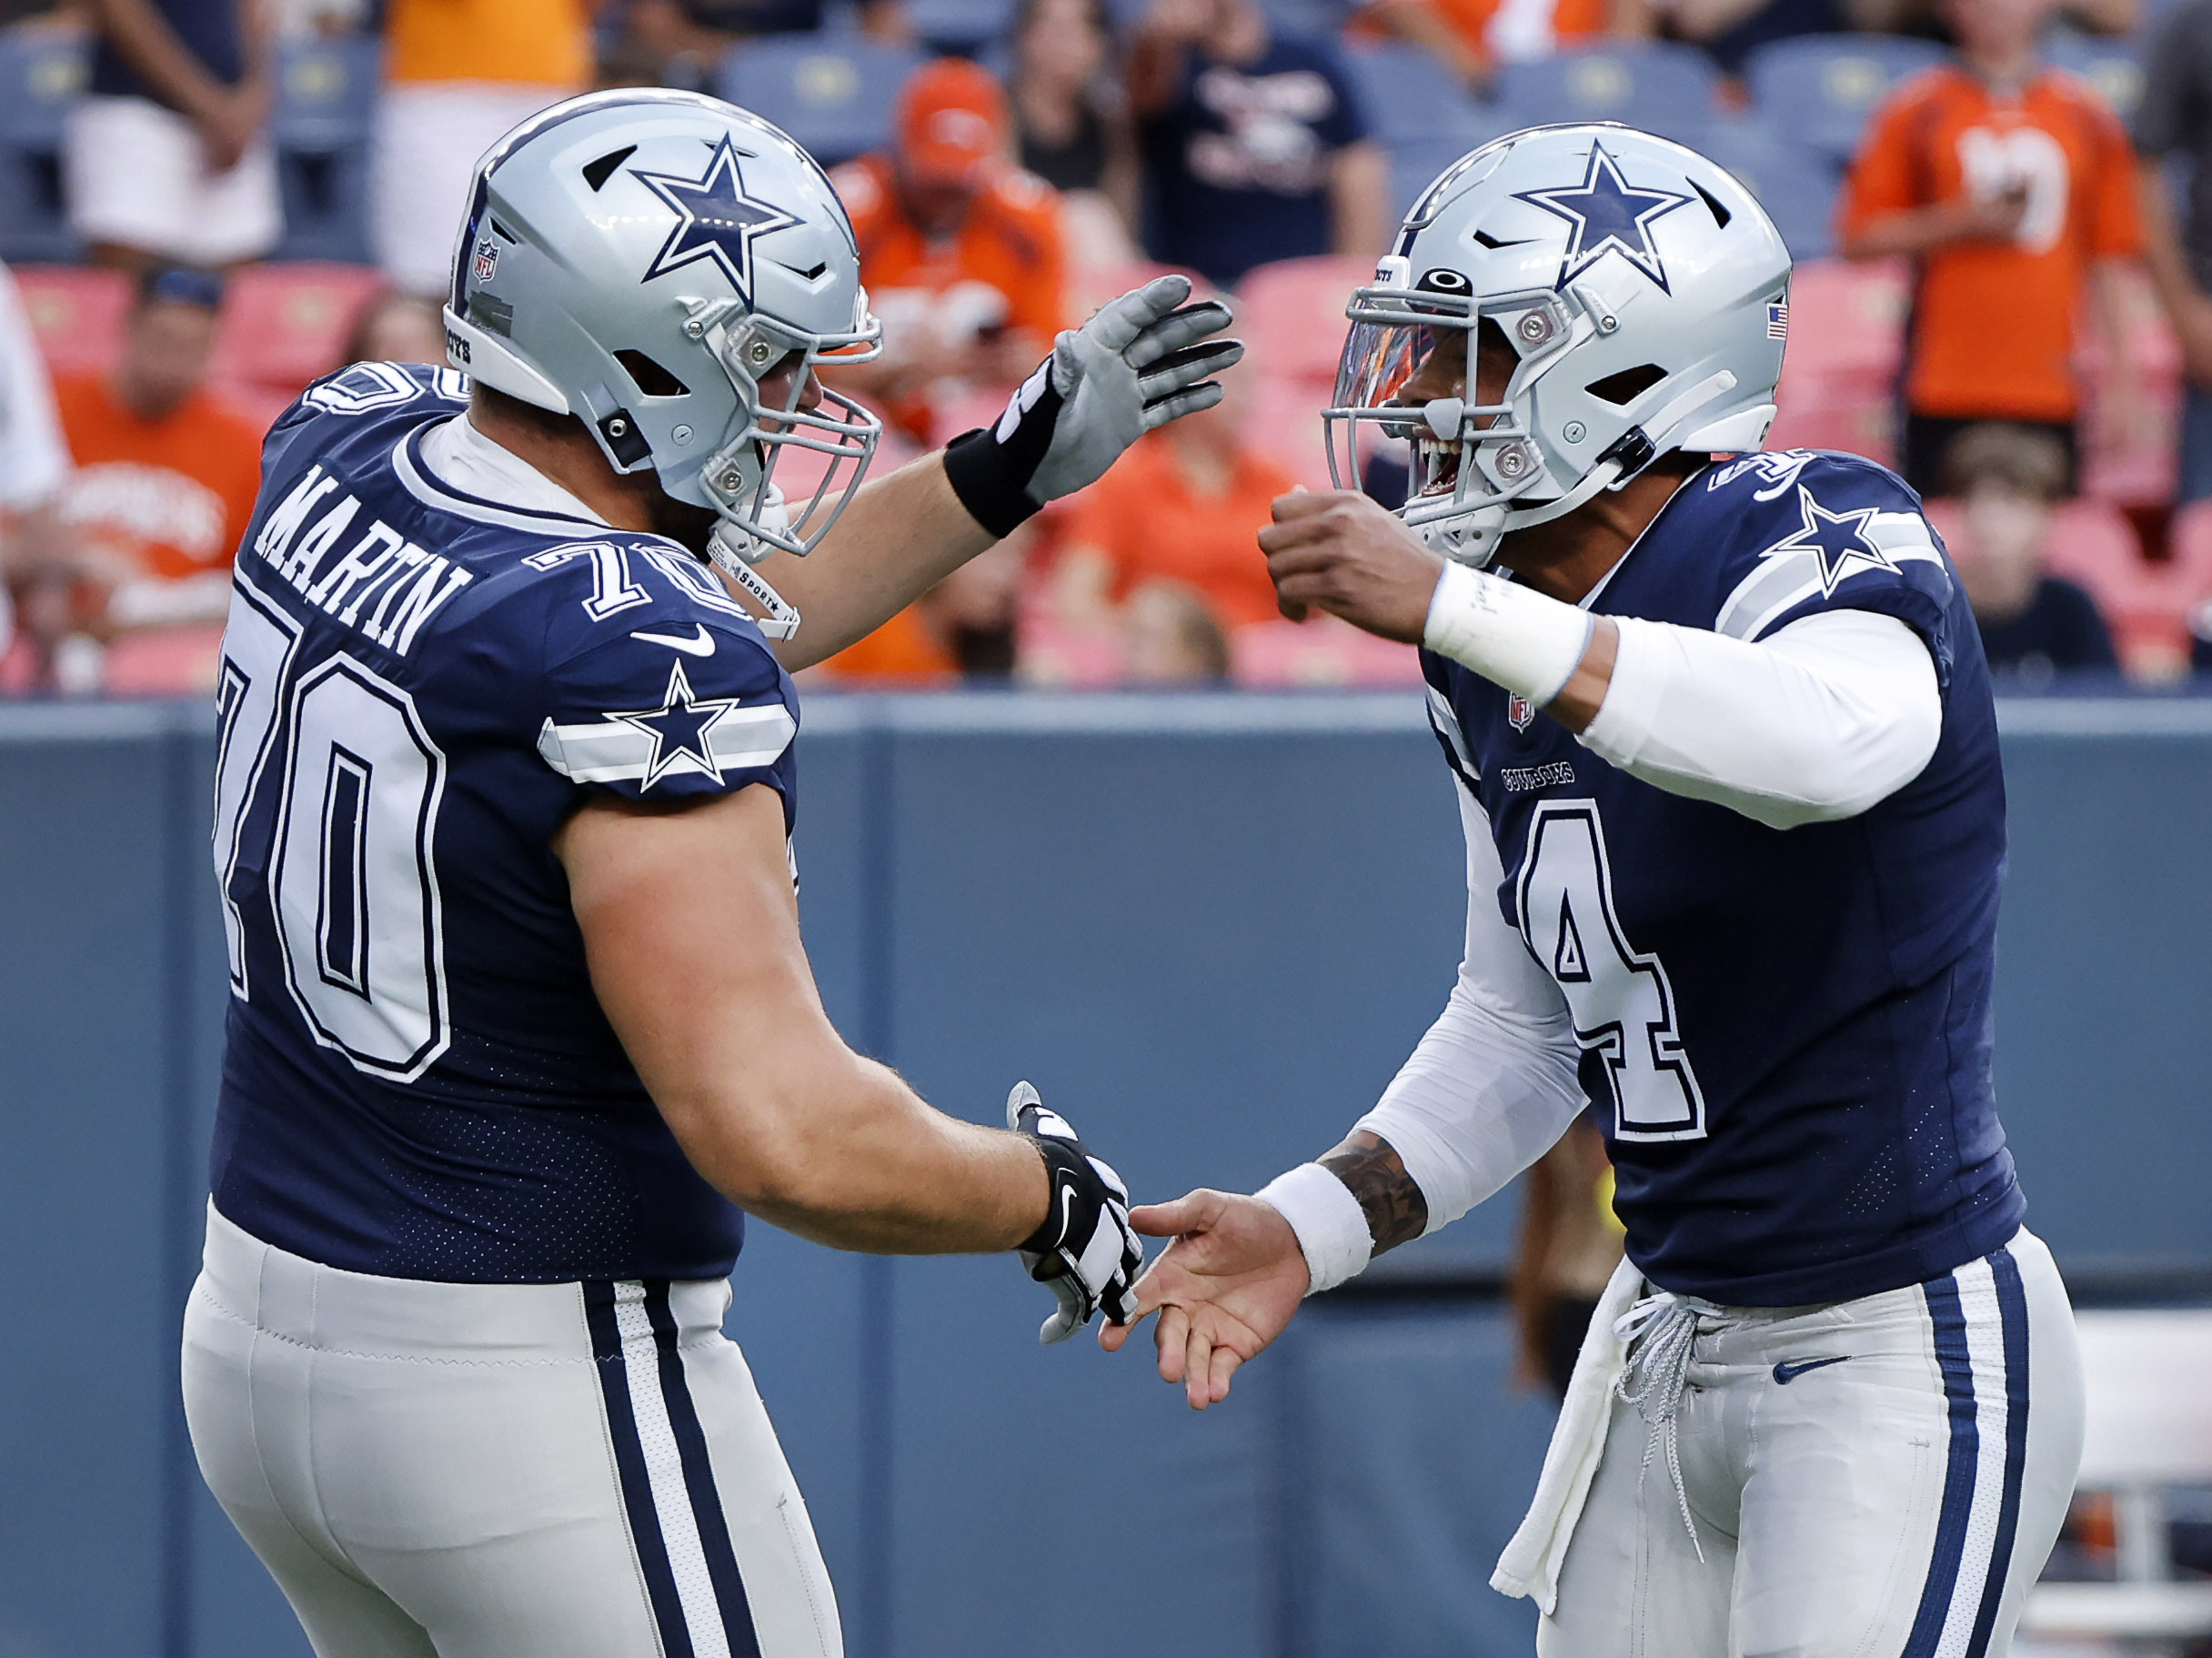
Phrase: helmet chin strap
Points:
(734, 552)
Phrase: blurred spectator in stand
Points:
(1071, 125)
(1471, 37)
(1729, 30)
(1172, 636)
(961, 250)
(165, 477)
(166, 158)
(1255, 146)
(686, 38)
(2175, 118)
(961, 628)
(395, 327)
(458, 75)
(2012, 188)
(1568, 1245)
(33, 458)
(1183, 506)
(2007, 479)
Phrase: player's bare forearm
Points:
(1372, 1172)
(691, 930)
(902, 534)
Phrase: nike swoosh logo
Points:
(1787, 1372)
(703, 645)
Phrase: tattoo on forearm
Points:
(1395, 1210)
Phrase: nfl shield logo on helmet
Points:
(1520, 713)
(486, 259)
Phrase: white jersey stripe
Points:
(614, 751)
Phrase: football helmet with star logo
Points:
(1638, 286)
(647, 261)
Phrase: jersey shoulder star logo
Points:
(1838, 541)
(679, 729)
(1606, 214)
(715, 220)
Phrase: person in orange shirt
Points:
(2011, 186)
(1471, 37)
(163, 483)
(961, 250)
(458, 75)
(1183, 506)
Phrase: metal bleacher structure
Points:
(1787, 128)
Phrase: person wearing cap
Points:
(167, 471)
(961, 250)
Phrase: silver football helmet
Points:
(1642, 289)
(645, 260)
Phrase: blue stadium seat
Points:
(1825, 87)
(1664, 87)
(835, 95)
(2111, 64)
(42, 70)
(326, 104)
(960, 26)
(1410, 99)
(1795, 183)
(1415, 164)
(325, 92)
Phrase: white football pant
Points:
(498, 1471)
(1880, 1478)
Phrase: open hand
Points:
(1336, 550)
(1224, 1288)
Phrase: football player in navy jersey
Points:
(520, 1016)
(1727, 764)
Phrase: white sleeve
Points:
(1817, 722)
(1492, 1083)
(34, 459)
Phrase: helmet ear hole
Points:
(1622, 388)
(651, 378)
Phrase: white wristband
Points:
(1511, 635)
(1330, 1225)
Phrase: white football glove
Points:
(1137, 365)
(1085, 1248)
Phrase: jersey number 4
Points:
(357, 784)
(1623, 1005)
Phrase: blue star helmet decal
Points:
(715, 220)
(679, 729)
(1836, 539)
(1607, 215)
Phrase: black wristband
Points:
(1063, 1167)
(977, 466)
(992, 474)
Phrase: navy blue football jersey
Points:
(418, 687)
(1786, 1033)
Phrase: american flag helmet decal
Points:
(1778, 320)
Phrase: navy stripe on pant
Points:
(630, 1465)
(698, 1478)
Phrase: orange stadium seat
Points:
(77, 314)
(1323, 651)
(285, 324)
(1846, 322)
(1290, 314)
(1281, 419)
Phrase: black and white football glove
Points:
(1137, 365)
(1084, 1250)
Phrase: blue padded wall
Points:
(1207, 927)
